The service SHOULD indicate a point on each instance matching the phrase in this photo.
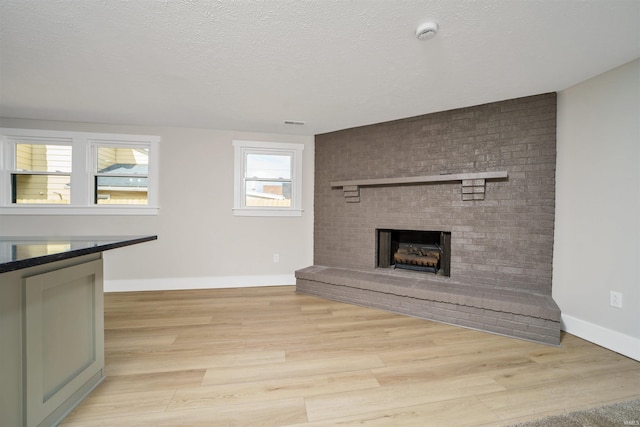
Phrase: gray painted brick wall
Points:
(504, 241)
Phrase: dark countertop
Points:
(23, 252)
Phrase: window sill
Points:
(79, 210)
(266, 212)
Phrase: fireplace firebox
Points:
(416, 250)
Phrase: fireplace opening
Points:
(423, 251)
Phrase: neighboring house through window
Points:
(268, 178)
(52, 172)
(122, 175)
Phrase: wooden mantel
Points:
(473, 184)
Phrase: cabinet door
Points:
(63, 339)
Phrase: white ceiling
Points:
(248, 65)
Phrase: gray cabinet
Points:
(52, 340)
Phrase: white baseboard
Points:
(180, 283)
(615, 341)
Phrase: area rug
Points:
(615, 415)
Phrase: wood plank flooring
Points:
(270, 357)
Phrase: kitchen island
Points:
(51, 324)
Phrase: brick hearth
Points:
(501, 242)
(513, 313)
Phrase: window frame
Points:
(83, 171)
(95, 174)
(241, 150)
(63, 142)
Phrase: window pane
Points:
(51, 189)
(268, 166)
(264, 193)
(112, 190)
(43, 158)
(25, 250)
(119, 160)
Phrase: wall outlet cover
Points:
(615, 299)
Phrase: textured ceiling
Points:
(249, 65)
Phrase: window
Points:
(42, 173)
(51, 172)
(122, 175)
(268, 179)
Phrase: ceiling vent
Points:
(294, 122)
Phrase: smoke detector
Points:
(427, 31)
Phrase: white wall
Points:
(597, 235)
(200, 243)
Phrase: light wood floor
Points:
(271, 357)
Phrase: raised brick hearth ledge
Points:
(509, 312)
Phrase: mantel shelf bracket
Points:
(473, 184)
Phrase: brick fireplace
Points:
(484, 176)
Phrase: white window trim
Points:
(241, 148)
(83, 170)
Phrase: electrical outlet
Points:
(276, 257)
(615, 299)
